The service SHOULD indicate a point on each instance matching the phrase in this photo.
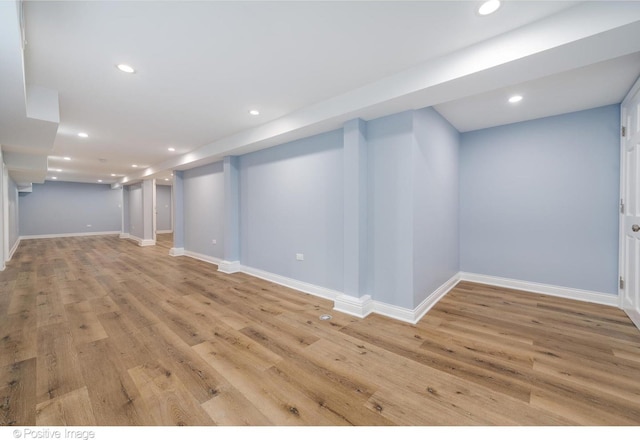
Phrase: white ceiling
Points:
(307, 66)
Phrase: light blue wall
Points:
(203, 193)
(14, 217)
(539, 200)
(163, 208)
(435, 203)
(68, 208)
(178, 209)
(126, 227)
(136, 222)
(390, 144)
(291, 201)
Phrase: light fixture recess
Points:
(126, 68)
(67, 158)
(171, 149)
(83, 135)
(134, 166)
(99, 180)
(254, 112)
(54, 178)
(113, 175)
(489, 7)
(515, 98)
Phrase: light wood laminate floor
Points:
(99, 331)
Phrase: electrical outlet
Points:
(300, 257)
(214, 241)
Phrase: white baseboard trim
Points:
(14, 249)
(229, 266)
(72, 234)
(167, 231)
(434, 297)
(268, 276)
(176, 252)
(634, 316)
(312, 289)
(203, 257)
(363, 306)
(125, 235)
(140, 241)
(545, 289)
(359, 307)
(413, 316)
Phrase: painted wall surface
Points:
(163, 207)
(539, 200)
(4, 242)
(435, 203)
(178, 210)
(136, 222)
(203, 194)
(69, 208)
(390, 144)
(14, 217)
(126, 220)
(291, 202)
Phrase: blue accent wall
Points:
(291, 201)
(390, 145)
(126, 220)
(67, 208)
(14, 217)
(539, 200)
(436, 256)
(136, 221)
(203, 203)
(163, 208)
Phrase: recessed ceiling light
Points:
(489, 7)
(67, 158)
(54, 177)
(83, 135)
(113, 175)
(126, 68)
(134, 166)
(515, 98)
(166, 179)
(171, 149)
(99, 180)
(254, 112)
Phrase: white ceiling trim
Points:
(568, 40)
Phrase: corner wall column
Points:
(231, 259)
(148, 195)
(355, 300)
(177, 198)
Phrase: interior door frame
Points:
(622, 289)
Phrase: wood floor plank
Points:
(71, 409)
(201, 380)
(280, 402)
(98, 330)
(114, 397)
(18, 337)
(58, 370)
(229, 407)
(83, 322)
(167, 399)
(18, 393)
